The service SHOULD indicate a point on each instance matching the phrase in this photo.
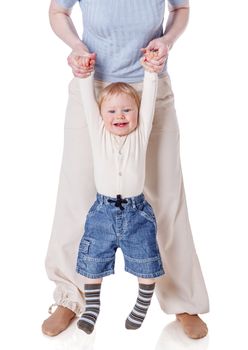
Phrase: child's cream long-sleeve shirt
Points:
(119, 161)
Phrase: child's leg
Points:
(88, 319)
(138, 314)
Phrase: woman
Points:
(118, 32)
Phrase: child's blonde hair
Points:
(117, 89)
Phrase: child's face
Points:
(120, 114)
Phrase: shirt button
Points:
(120, 173)
(120, 152)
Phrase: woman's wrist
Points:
(79, 46)
(167, 40)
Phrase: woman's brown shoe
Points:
(58, 321)
(193, 325)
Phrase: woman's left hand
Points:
(155, 55)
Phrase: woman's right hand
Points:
(81, 62)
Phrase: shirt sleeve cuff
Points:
(177, 4)
(151, 75)
(67, 4)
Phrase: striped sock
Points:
(138, 314)
(92, 308)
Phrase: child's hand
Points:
(82, 62)
(149, 56)
(87, 61)
(155, 55)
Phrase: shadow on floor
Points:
(174, 338)
(71, 339)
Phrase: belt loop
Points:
(101, 199)
(133, 203)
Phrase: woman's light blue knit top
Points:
(116, 30)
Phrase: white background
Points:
(208, 68)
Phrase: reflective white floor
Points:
(171, 337)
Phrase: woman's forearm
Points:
(63, 26)
(176, 24)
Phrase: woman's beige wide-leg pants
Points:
(182, 289)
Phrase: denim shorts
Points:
(131, 228)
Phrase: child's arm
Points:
(148, 101)
(90, 106)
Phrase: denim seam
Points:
(147, 216)
(88, 258)
(97, 275)
(142, 261)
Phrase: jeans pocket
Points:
(84, 246)
(147, 212)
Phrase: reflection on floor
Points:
(71, 339)
(172, 337)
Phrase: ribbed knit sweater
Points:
(116, 30)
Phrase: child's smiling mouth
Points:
(121, 125)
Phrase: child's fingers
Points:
(80, 68)
(154, 61)
(92, 63)
(145, 65)
(80, 71)
(149, 52)
(151, 55)
(151, 67)
(90, 59)
(158, 62)
(84, 61)
(82, 64)
(144, 61)
(87, 60)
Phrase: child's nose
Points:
(121, 116)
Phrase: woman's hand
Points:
(155, 55)
(81, 62)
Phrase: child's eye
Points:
(126, 110)
(111, 111)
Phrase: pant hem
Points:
(72, 305)
(94, 276)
